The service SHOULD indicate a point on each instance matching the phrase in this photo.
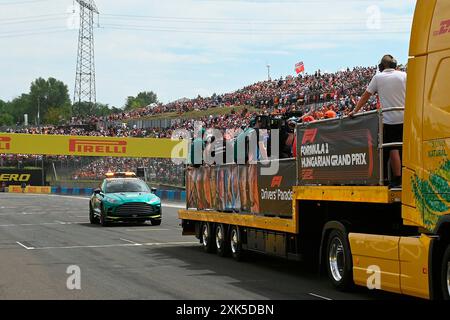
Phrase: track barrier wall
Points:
(165, 195)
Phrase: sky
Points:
(185, 48)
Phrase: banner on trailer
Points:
(241, 189)
(339, 152)
(92, 146)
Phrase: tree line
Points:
(48, 103)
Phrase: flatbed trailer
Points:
(361, 233)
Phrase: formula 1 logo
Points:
(97, 146)
(309, 136)
(276, 182)
(5, 143)
(445, 28)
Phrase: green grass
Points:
(199, 114)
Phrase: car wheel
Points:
(156, 222)
(445, 275)
(103, 220)
(222, 243)
(92, 218)
(339, 261)
(207, 238)
(236, 243)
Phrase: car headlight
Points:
(155, 202)
(111, 200)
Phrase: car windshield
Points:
(126, 185)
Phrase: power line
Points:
(252, 32)
(245, 20)
(245, 31)
(12, 3)
(34, 17)
(37, 20)
(33, 33)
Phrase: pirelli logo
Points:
(5, 143)
(97, 146)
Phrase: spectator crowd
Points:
(315, 95)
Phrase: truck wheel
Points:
(221, 241)
(207, 238)
(92, 218)
(339, 261)
(445, 274)
(236, 243)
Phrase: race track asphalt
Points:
(41, 236)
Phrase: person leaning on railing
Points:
(390, 84)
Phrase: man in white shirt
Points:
(390, 84)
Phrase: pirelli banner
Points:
(339, 152)
(242, 189)
(10, 177)
(92, 146)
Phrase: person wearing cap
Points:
(390, 84)
(291, 138)
(330, 114)
(308, 119)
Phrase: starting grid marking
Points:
(128, 243)
(118, 245)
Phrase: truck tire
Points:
(222, 243)
(207, 237)
(236, 243)
(339, 261)
(445, 275)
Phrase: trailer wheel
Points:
(207, 237)
(222, 244)
(339, 261)
(445, 274)
(236, 243)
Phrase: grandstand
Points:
(315, 94)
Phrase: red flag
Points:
(300, 67)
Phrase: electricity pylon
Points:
(85, 91)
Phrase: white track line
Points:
(87, 247)
(129, 245)
(320, 297)
(145, 230)
(132, 242)
(24, 246)
(41, 224)
(168, 243)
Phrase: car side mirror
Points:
(98, 191)
(154, 190)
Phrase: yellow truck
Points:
(340, 213)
